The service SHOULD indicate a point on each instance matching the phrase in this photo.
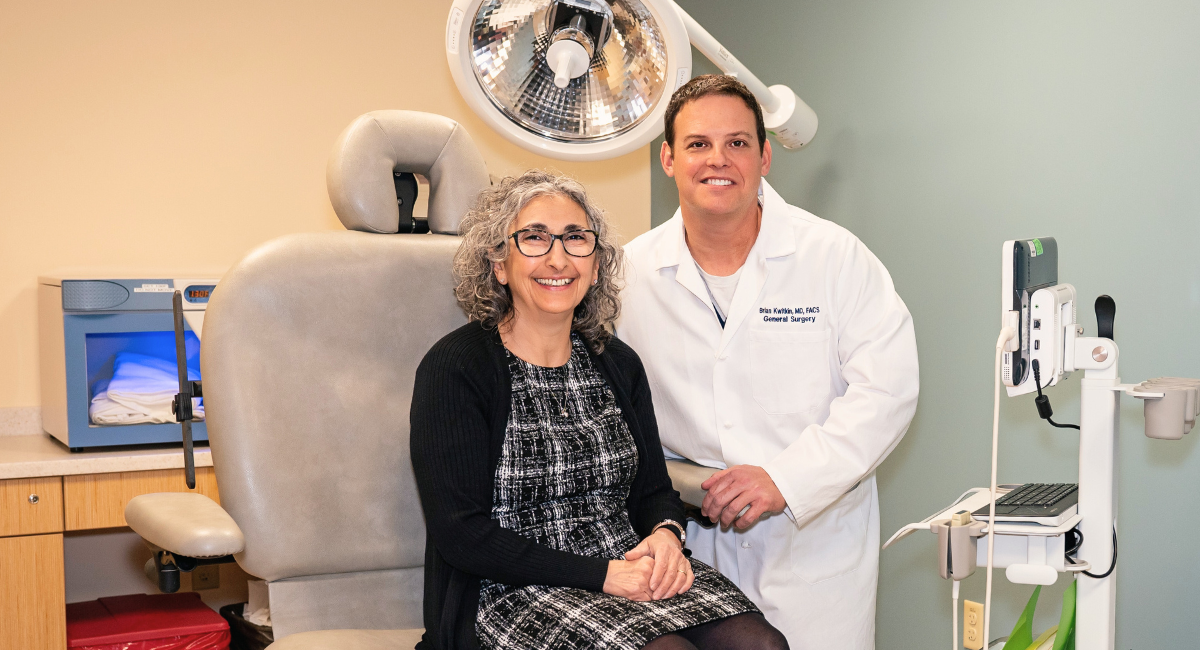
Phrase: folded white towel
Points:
(140, 392)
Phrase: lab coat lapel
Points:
(689, 277)
(775, 239)
(674, 252)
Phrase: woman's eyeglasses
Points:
(536, 243)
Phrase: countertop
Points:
(41, 455)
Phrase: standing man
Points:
(777, 350)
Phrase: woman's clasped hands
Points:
(656, 569)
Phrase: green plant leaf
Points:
(1066, 621)
(1038, 642)
(1022, 635)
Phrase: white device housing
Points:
(1018, 284)
(1051, 311)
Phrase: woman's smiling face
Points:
(555, 283)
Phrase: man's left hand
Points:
(731, 490)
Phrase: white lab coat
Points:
(813, 378)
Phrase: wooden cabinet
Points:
(98, 500)
(29, 506)
(32, 603)
(32, 586)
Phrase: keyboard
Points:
(1041, 502)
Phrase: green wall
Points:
(948, 127)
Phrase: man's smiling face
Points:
(716, 160)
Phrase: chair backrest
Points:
(310, 350)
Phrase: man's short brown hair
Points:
(713, 84)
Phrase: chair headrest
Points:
(360, 171)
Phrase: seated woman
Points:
(551, 519)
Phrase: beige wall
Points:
(165, 133)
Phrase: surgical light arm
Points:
(792, 121)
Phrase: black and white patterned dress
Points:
(566, 467)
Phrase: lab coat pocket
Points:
(789, 370)
(834, 543)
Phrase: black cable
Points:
(1074, 541)
(1043, 403)
(1062, 426)
(1114, 559)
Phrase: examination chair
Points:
(310, 347)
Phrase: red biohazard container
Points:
(146, 622)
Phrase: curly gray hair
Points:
(485, 231)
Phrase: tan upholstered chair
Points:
(310, 346)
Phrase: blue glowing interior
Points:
(102, 350)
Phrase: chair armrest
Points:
(183, 523)
(686, 478)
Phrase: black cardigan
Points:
(460, 409)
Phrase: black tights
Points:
(748, 631)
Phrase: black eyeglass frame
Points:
(517, 242)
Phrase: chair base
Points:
(350, 640)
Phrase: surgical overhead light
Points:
(590, 79)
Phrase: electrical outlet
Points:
(207, 576)
(972, 625)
